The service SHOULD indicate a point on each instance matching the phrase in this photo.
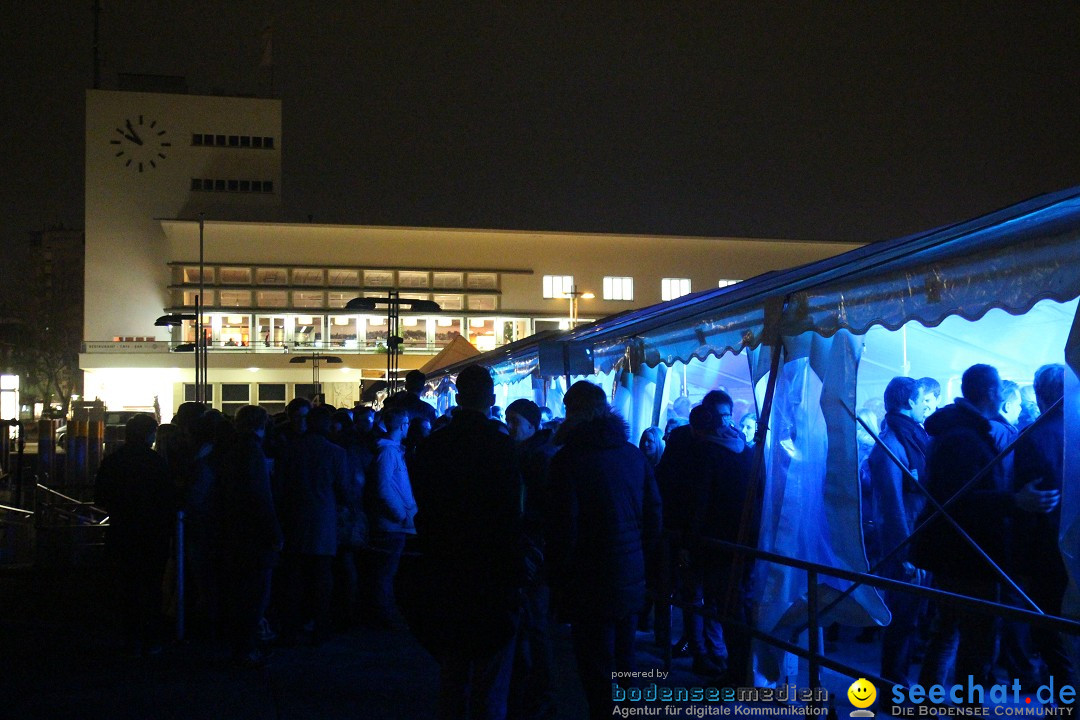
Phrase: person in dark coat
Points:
(722, 502)
(1039, 459)
(603, 519)
(962, 444)
(134, 485)
(462, 598)
(531, 686)
(250, 537)
(894, 505)
(314, 480)
(409, 399)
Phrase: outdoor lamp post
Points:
(315, 359)
(574, 294)
(198, 347)
(394, 340)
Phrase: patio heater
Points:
(394, 303)
(315, 359)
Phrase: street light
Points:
(315, 359)
(199, 347)
(574, 294)
(394, 341)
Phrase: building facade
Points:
(183, 202)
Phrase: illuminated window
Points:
(307, 276)
(272, 298)
(671, 288)
(558, 286)
(308, 299)
(450, 302)
(191, 274)
(483, 281)
(482, 302)
(235, 298)
(379, 278)
(448, 280)
(271, 276)
(726, 283)
(190, 295)
(235, 276)
(411, 279)
(618, 288)
(339, 299)
(343, 278)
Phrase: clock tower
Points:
(153, 156)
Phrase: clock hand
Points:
(134, 137)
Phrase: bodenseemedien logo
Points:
(862, 695)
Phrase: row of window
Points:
(257, 142)
(343, 277)
(320, 299)
(618, 288)
(225, 185)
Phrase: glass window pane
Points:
(190, 295)
(271, 276)
(271, 392)
(412, 279)
(308, 299)
(483, 281)
(235, 392)
(272, 298)
(339, 299)
(343, 278)
(307, 276)
(379, 278)
(235, 276)
(482, 302)
(450, 302)
(191, 274)
(235, 298)
(618, 288)
(448, 280)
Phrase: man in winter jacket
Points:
(249, 533)
(962, 445)
(313, 472)
(603, 519)
(462, 597)
(134, 485)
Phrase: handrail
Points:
(16, 510)
(85, 503)
(813, 653)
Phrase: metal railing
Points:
(813, 653)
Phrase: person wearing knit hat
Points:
(524, 410)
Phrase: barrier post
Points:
(180, 576)
(813, 638)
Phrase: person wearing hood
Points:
(719, 465)
(390, 512)
(962, 445)
(603, 520)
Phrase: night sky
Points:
(831, 121)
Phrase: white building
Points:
(156, 163)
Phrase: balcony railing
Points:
(370, 347)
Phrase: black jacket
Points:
(461, 595)
(603, 518)
(961, 446)
(134, 484)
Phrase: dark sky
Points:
(846, 121)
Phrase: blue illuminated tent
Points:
(822, 340)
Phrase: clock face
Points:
(140, 143)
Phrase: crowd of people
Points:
(477, 534)
(992, 460)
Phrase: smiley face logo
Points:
(862, 693)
